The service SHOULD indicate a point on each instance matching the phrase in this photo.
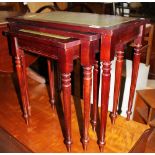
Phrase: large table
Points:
(115, 33)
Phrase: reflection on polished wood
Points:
(45, 132)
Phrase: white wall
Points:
(141, 84)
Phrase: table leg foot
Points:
(85, 144)
(26, 117)
(94, 125)
(68, 145)
(128, 115)
(69, 148)
(85, 147)
(113, 117)
(52, 101)
(101, 145)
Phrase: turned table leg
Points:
(66, 88)
(87, 83)
(135, 69)
(21, 75)
(104, 100)
(51, 81)
(19, 71)
(118, 75)
(95, 95)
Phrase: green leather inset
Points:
(76, 18)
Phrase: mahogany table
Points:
(115, 33)
(60, 48)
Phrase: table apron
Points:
(42, 50)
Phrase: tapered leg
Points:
(104, 101)
(25, 83)
(87, 83)
(135, 69)
(51, 81)
(95, 95)
(21, 75)
(118, 75)
(19, 70)
(66, 88)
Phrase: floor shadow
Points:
(60, 113)
(77, 92)
(58, 100)
(98, 125)
(121, 95)
(122, 88)
(17, 89)
(78, 110)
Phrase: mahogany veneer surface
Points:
(45, 131)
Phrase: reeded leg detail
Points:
(66, 88)
(118, 75)
(51, 81)
(104, 101)
(19, 70)
(95, 95)
(135, 69)
(87, 84)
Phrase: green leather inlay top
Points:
(44, 34)
(76, 18)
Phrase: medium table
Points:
(89, 47)
(60, 48)
(115, 33)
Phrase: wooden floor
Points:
(45, 132)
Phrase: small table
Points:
(60, 48)
(115, 33)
